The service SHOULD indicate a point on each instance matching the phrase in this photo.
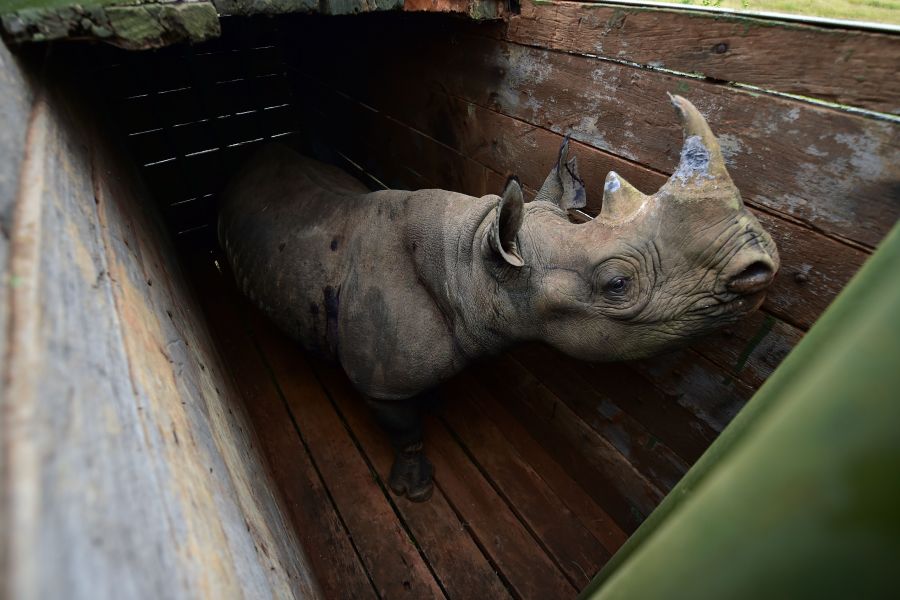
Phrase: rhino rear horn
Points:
(620, 198)
(505, 229)
(564, 186)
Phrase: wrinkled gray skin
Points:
(405, 288)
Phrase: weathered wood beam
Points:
(442, 536)
(842, 65)
(131, 24)
(604, 473)
(389, 554)
(477, 10)
(144, 24)
(833, 170)
(129, 467)
(315, 518)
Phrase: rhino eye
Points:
(617, 285)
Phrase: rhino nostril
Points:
(752, 279)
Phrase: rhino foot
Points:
(412, 474)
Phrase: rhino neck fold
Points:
(462, 283)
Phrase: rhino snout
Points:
(753, 277)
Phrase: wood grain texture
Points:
(663, 418)
(858, 68)
(131, 469)
(600, 408)
(15, 112)
(475, 9)
(593, 516)
(391, 558)
(590, 460)
(400, 157)
(457, 561)
(752, 349)
(530, 572)
(136, 25)
(834, 171)
(318, 525)
(685, 377)
(571, 544)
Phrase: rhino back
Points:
(351, 275)
(281, 223)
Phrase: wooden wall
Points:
(129, 469)
(426, 102)
(414, 101)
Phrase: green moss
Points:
(266, 7)
(200, 21)
(137, 24)
(484, 10)
(128, 24)
(9, 6)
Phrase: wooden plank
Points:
(216, 475)
(751, 349)
(390, 556)
(526, 567)
(748, 352)
(846, 66)
(814, 267)
(663, 417)
(833, 170)
(605, 411)
(130, 466)
(15, 112)
(519, 557)
(387, 148)
(333, 558)
(142, 25)
(589, 459)
(601, 525)
(459, 564)
(474, 9)
(684, 377)
(577, 552)
(461, 487)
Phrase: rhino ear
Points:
(510, 214)
(564, 186)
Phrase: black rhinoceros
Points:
(405, 288)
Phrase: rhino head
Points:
(649, 273)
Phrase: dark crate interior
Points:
(544, 465)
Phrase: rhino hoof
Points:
(412, 474)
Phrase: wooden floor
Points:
(505, 520)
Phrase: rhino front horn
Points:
(701, 162)
(621, 200)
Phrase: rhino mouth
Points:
(729, 306)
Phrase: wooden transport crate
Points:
(160, 438)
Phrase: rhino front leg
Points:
(412, 472)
